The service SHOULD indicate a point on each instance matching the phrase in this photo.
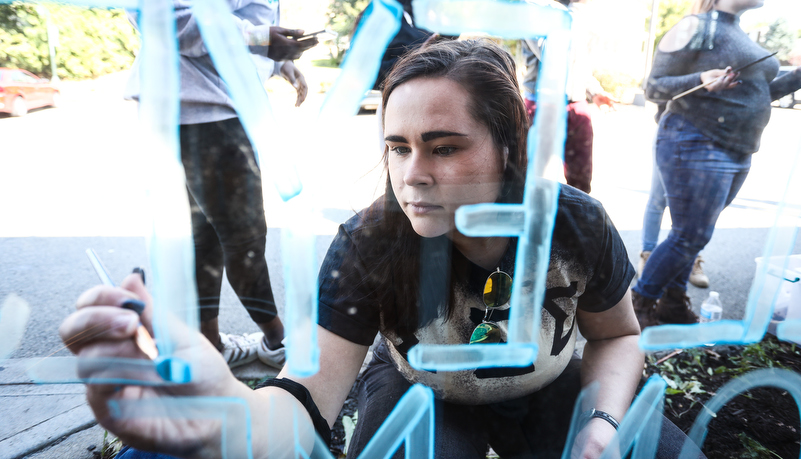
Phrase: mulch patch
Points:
(759, 423)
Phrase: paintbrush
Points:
(704, 85)
(142, 338)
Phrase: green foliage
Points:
(754, 449)
(614, 82)
(756, 356)
(111, 446)
(669, 14)
(342, 16)
(91, 42)
(779, 37)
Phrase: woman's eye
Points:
(398, 150)
(445, 151)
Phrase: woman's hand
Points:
(294, 77)
(593, 439)
(719, 79)
(100, 328)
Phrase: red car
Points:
(21, 91)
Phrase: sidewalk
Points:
(53, 421)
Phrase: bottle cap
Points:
(713, 294)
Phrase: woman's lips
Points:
(421, 207)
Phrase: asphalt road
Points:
(70, 180)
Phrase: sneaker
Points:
(275, 358)
(697, 276)
(238, 349)
(645, 309)
(674, 308)
(643, 260)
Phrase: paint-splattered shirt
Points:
(589, 269)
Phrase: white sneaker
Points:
(239, 349)
(275, 358)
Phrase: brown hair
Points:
(487, 72)
(703, 6)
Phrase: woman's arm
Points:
(340, 362)
(785, 84)
(101, 328)
(669, 74)
(611, 357)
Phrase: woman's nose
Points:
(418, 171)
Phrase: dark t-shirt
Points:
(588, 269)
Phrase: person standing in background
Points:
(652, 222)
(581, 85)
(223, 177)
(705, 140)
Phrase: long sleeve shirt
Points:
(736, 117)
(204, 95)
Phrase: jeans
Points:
(228, 224)
(534, 426)
(654, 209)
(701, 178)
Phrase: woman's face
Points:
(439, 156)
(738, 6)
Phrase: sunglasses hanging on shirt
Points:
(497, 292)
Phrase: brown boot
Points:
(674, 308)
(645, 310)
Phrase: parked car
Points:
(21, 91)
(370, 102)
(789, 100)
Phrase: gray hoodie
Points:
(204, 97)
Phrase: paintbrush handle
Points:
(700, 86)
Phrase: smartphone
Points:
(314, 34)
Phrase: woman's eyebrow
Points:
(431, 135)
(395, 138)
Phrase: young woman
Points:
(455, 130)
(704, 141)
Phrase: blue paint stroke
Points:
(642, 424)
(501, 18)
(782, 379)
(640, 427)
(169, 244)
(299, 257)
(379, 24)
(232, 60)
(761, 298)
(585, 401)
(412, 421)
(234, 413)
(533, 220)
(14, 315)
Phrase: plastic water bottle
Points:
(711, 310)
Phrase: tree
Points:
(669, 14)
(342, 16)
(781, 38)
(92, 42)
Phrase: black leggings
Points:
(534, 426)
(228, 225)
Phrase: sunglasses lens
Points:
(486, 333)
(498, 289)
